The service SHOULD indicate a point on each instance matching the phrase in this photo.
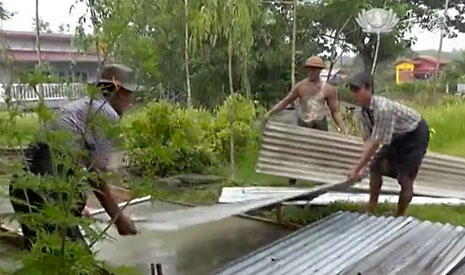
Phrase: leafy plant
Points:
(164, 138)
(237, 115)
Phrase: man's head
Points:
(361, 87)
(314, 65)
(116, 86)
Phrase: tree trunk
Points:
(231, 112)
(294, 31)
(230, 55)
(246, 81)
(93, 19)
(186, 54)
(39, 55)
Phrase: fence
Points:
(49, 92)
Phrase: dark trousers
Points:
(39, 162)
(402, 158)
(321, 125)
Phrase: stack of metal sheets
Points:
(349, 243)
(323, 157)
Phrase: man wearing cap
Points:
(313, 97)
(403, 134)
(75, 118)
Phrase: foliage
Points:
(426, 14)
(236, 115)
(61, 189)
(446, 121)
(164, 138)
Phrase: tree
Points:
(330, 21)
(426, 12)
(233, 21)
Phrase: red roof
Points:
(31, 56)
(430, 59)
(32, 35)
(421, 58)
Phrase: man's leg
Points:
(376, 181)
(405, 196)
(407, 173)
(380, 166)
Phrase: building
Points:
(421, 67)
(57, 50)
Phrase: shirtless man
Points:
(314, 98)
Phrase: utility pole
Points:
(443, 25)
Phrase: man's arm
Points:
(369, 150)
(383, 130)
(291, 97)
(333, 104)
(124, 225)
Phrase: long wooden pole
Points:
(39, 55)
(186, 53)
(443, 26)
(294, 30)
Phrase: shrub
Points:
(164, 138)
(241, 112)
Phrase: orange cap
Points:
(316, 62)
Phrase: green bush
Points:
(236, 114)
(164, 138)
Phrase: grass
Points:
(435, 213)
(448, 125)
(24, 129)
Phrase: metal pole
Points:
(159, 270)
(442, 27)
(375, 59)
(152, 269)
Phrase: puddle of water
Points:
(196, 250)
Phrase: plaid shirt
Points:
(74, 116)
(385, 118)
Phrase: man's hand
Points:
(125, 226)
(355, 174)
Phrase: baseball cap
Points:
(360, 80)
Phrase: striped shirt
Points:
(85, 123)
(385, 118)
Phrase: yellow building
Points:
(404, 71)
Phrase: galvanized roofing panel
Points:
(324, 157)
(179, 219)
(242, 194)
(350, 243)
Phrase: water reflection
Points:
(195, 250)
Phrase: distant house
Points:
(421, 67)
(57, 50)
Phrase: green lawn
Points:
(434, 213)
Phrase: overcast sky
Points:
(56, 12)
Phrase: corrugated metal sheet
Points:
(349, 243)
(241, 194)
(179, 219)
(323, 157)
